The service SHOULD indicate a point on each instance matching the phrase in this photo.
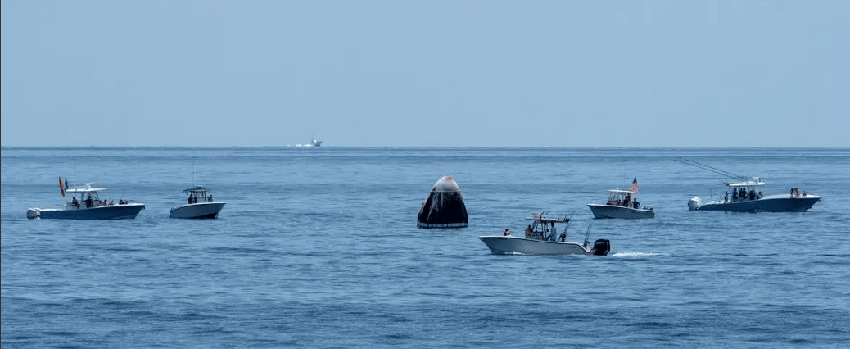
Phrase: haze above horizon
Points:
(436, 74)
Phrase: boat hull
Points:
(125, 211)
(203, 210)
(523, 246)
(773, 203)
(619, 212)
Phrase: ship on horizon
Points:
(314, 143)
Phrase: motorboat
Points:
(541, 238)
(746, 196)
(199, 205)
(622, 204)
(90, 208)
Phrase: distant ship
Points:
(315, 143)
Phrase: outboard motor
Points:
(601, 247)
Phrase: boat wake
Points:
(635, 254)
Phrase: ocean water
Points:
(319, 248)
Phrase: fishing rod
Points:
(587, 233)
(712, 169)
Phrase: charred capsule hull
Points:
(444, 207)
(442, 226)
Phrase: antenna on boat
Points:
(624, 177)
(193, 175)
(710, 169)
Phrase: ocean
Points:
(318, 248)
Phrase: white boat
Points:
(622, 204)
(89, 207)
(746, 196)
(316, 143)
(199, 205)
(541, 238)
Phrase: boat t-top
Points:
(199, 205)
(88, 207)
(746, 196)
(622, 204)
(542, 238)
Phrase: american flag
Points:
(634, 187)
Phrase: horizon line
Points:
(411, 147)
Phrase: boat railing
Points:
(195, 199)
(53, 207)
(83, 204)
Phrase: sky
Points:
(425, 73)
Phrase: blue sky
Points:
(425, 73)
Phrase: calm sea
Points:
(319, 248)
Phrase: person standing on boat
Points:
(552, 233)
(507, 232)
(528, 232)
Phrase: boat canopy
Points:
(751, 183)
(87, 189)
(541, 218)
(195, 189)
(621, 191)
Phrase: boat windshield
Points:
(543, 228)
(744, 191)
(88, 199)
(198, 194)
(621, 198)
